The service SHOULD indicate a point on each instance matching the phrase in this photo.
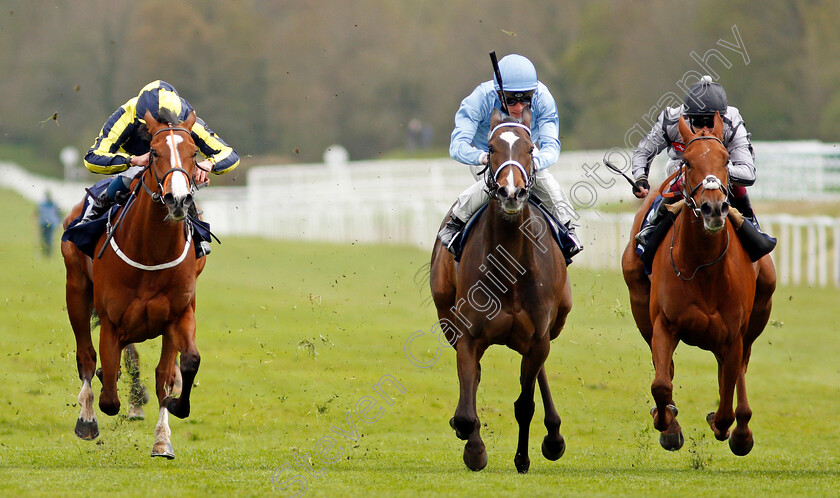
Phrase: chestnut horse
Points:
(510, 288)
(142, 287)
(703, 290)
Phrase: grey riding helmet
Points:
(704, 98)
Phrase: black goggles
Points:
(513, 98)
(704, 121)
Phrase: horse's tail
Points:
(421, 279)
(94, 319)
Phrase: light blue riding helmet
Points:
(518, 74)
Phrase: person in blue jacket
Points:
(469, 145)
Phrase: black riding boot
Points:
(744, 206)
(653, 220)
(448, 233)
(98, 206)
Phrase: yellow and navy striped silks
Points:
(120, 137)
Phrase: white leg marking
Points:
(162, 431)
(86, 402)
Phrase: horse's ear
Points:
(188, 124)
(718, 129)
(526, 116)
(151, 123)
(685, 131)
(495, 118)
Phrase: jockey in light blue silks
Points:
(468, 144)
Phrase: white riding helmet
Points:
(518, 74)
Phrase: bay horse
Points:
(703, 290)
(142, 286)
(510, 288)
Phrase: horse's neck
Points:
(697, 245)
(150, 233)
(509, 235)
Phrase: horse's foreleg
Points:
(662, 346)
(109, 350)
(523, 407)
(79, 311)
(553, 445)
(137, 396)
(164, 378)
(741, 441)
(183, 334)
(731, 364)
(465, 422)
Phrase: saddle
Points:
(558, 231)
(87, 235)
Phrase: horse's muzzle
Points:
(178, 206)
(512, 199)
(714, 214)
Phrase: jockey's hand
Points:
(201, 170)
(140, 160)
(642, 188)
(483, 158)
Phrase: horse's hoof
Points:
(710, 418)
(475, 455)
(163, 449)
(523, 463)
(87, 430)
(553, 449)
(136, 413)
(672, 442)
(741, 448)
(110, 409)
(178, 407)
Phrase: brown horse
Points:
(142, 287)
(510, 288)
(703, 290)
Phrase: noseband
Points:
(493, 186)
(158, 196)
(711, 182)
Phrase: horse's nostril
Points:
(705, 209)
(168, 199)
(503, 192)
(521, 194)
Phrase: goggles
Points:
(704, 121)
(513, 98)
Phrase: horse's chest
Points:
(150, 313)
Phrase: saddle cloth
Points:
(558, 231)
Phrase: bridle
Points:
(157, 196)
(711, 182)
(493, 181)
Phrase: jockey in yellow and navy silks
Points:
(123, 144)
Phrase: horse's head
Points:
(172, 162)
(706, 178)
(509, 160)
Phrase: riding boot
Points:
(449, 232)
(551, 195)
(653, 219)
(98, 206)
(577, 245)
(744, 206)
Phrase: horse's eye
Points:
(532, 150)
(491, 149)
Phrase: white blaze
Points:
(180, 182)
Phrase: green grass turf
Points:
(294, 336)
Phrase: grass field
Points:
(293, 337)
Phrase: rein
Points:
(711, 182)
(156, 197)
